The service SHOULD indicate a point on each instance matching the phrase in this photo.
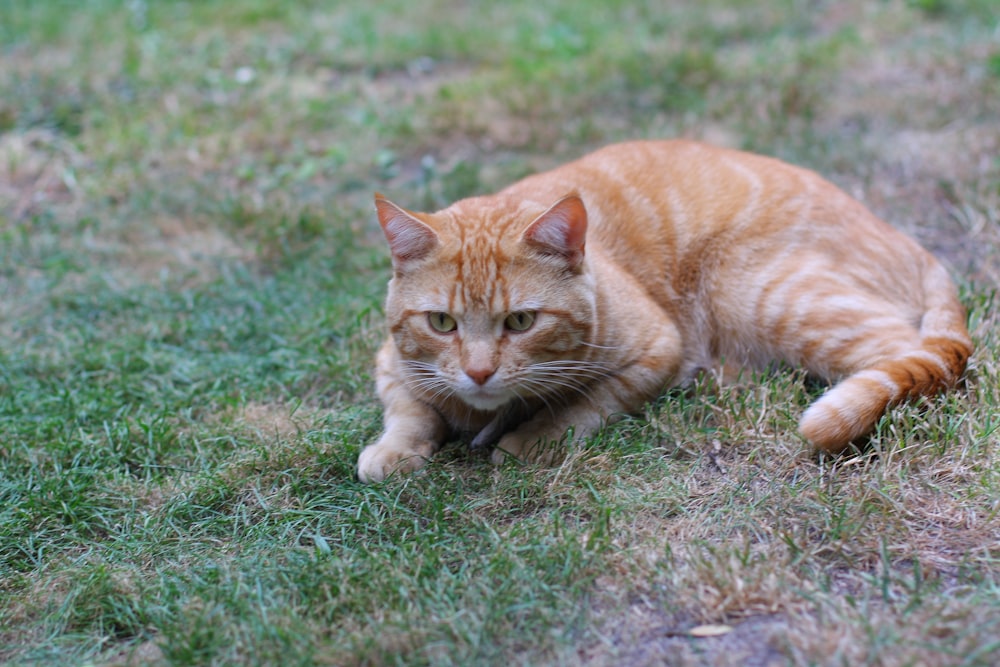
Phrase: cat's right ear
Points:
(561, 230)
(409, 238)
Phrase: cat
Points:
(584, 292)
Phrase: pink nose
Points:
(480, 375)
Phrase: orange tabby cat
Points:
(585, 291)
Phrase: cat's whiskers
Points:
(578, 371)
(438, 390)
(424, 377)
(540, 395)
(600, 347)
(562, 380)
(566, 390)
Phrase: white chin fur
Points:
(481, 402)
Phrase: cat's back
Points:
(689, 220)
(674, 207)
(681, 194)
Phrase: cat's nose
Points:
(480, 375)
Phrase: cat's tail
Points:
(851, 408)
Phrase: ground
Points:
(192, 278)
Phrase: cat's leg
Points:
(412, 434)
(646, 360)
(413, 430)
(540, 440)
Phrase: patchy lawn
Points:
(191, 280)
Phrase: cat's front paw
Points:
(528, 449)
(382, 459)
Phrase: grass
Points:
(192, 282)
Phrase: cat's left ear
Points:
(409, 238)
(561, 230)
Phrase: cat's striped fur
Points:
(635, 267)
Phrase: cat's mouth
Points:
(485, 399)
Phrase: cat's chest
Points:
(480, 428)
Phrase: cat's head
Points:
(490, 299)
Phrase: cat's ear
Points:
(409, 238)
(561, 230)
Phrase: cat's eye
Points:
(442, 322)
(520, 321)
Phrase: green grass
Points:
(191, 281)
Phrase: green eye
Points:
(442, 322)
(520, 321)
